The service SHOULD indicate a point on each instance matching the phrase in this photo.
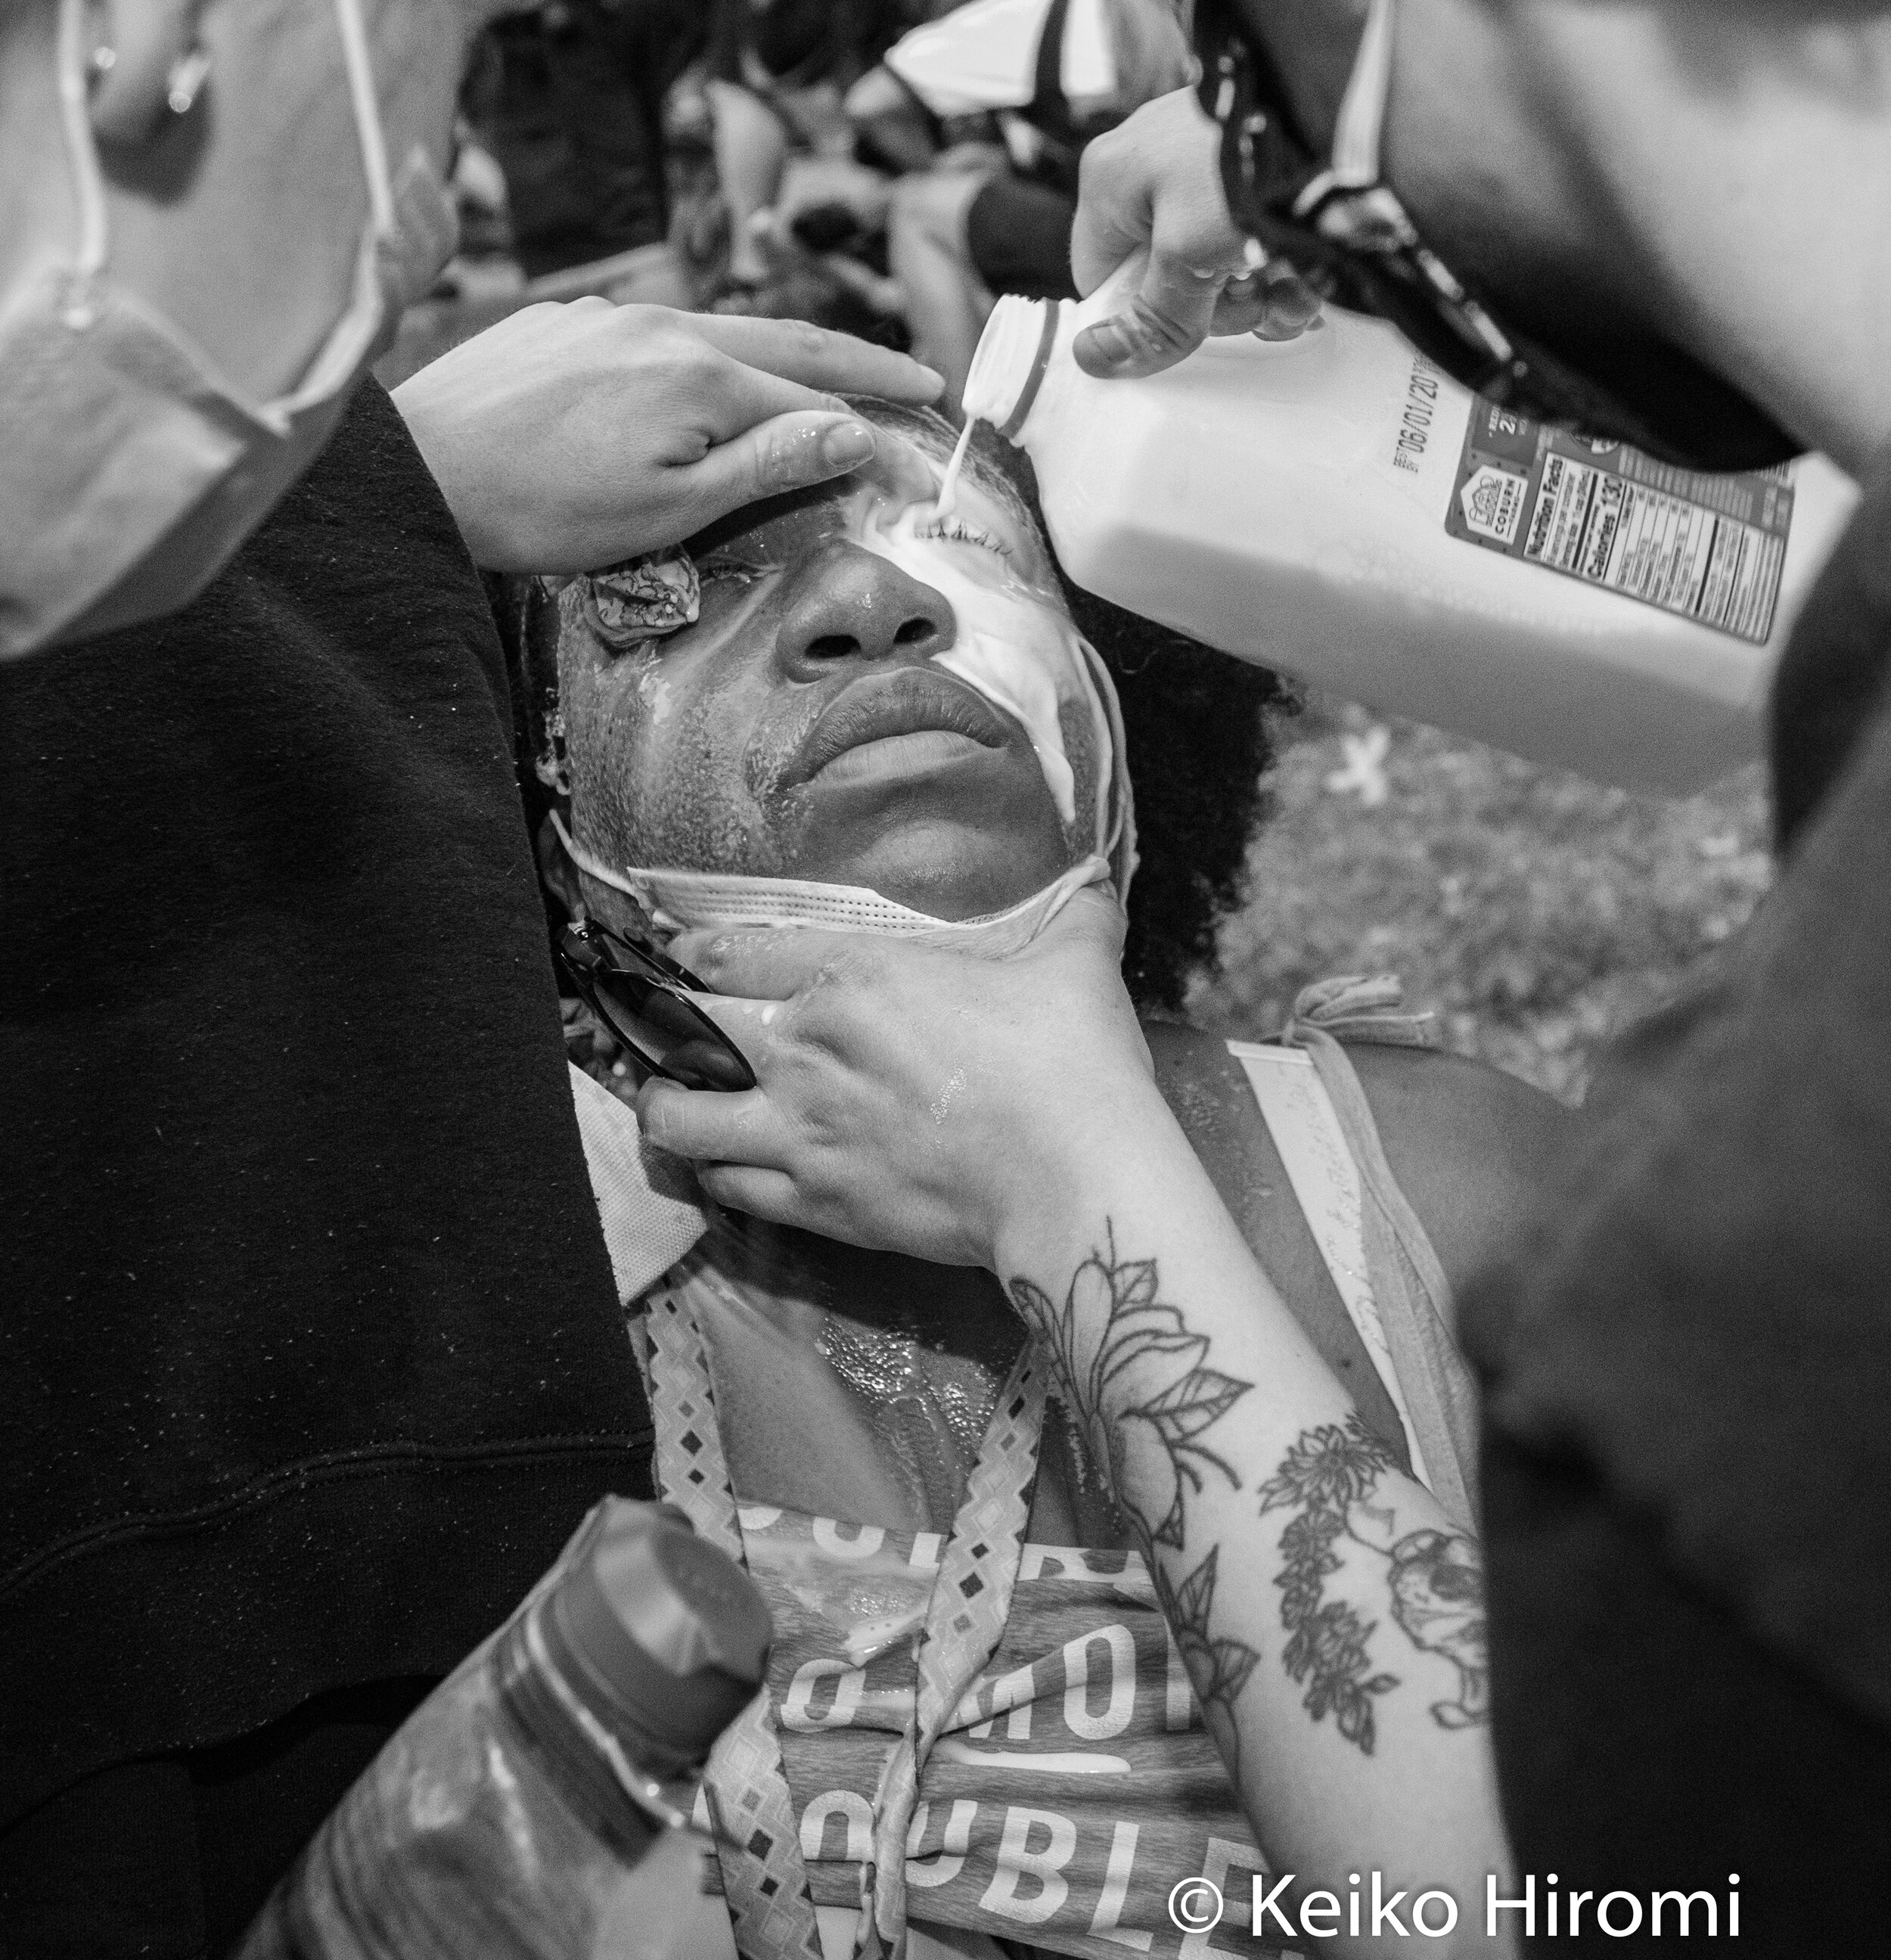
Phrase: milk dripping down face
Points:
(874, 692)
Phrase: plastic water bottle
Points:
(1337, 507)
(525, 1808)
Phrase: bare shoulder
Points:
(1469, 1145)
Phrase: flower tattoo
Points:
(1437, 1586)
(1112, 1337)
(1132, 1377)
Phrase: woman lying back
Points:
(851, 707)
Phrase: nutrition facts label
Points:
(1710, 547)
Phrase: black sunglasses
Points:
(643, 999)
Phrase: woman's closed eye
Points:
(955, 530)
(732, 566)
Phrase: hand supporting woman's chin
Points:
(919, 1101)
(1004, 1113)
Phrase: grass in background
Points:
(1537, 912)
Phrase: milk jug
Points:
(1337, 507)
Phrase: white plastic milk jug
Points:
(1335, 507)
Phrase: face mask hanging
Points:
(131, 471)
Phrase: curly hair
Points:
(1198, 726)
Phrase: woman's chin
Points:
(938, 873)
(972, 831)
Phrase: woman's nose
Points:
(846, 604)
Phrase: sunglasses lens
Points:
(682, 1042)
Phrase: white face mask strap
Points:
(367, 114)
(595, 867)
(1116, 815)
(75, 119)
(1362, 118)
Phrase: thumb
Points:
(1168, 318)
(787, 452)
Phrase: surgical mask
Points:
(678, 901)
(130, 472)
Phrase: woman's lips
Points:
(948, 718)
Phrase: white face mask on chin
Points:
(130, 472)
(677, 902)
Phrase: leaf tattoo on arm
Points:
(1219, 1667)
(1113, 1343)
(1134, 1380)
(1436, 1587)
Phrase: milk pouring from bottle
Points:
(1337, 507)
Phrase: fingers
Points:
(1154, 181)
(817, 358)
(759, 966)
(1290, 305)
(1180, 303)
(750, 1024)
(787, 452)
(1107, 231)
(730, 397)
(1117, 183)
(761, 1193)
(1165, 321)
(1272, 300)
(713, 1126)
(903, 468)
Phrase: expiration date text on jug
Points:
(1415, 417)
(1712, 548)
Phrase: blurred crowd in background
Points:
(887, 167)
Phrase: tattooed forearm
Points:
(1437, 1585)
(1134, 1381)
(1133, 1377)
(1325, 1473)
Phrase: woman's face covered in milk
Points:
(871, 694)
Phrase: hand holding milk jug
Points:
(1336, 507)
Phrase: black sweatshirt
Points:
(309, 1356)
(1687, 1452)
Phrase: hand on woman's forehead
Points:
(902, 477)
(870, 693)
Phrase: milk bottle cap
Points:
(1008, 367)
(664, 1638)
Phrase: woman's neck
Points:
(958, 1310)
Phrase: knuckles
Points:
(809, 341)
